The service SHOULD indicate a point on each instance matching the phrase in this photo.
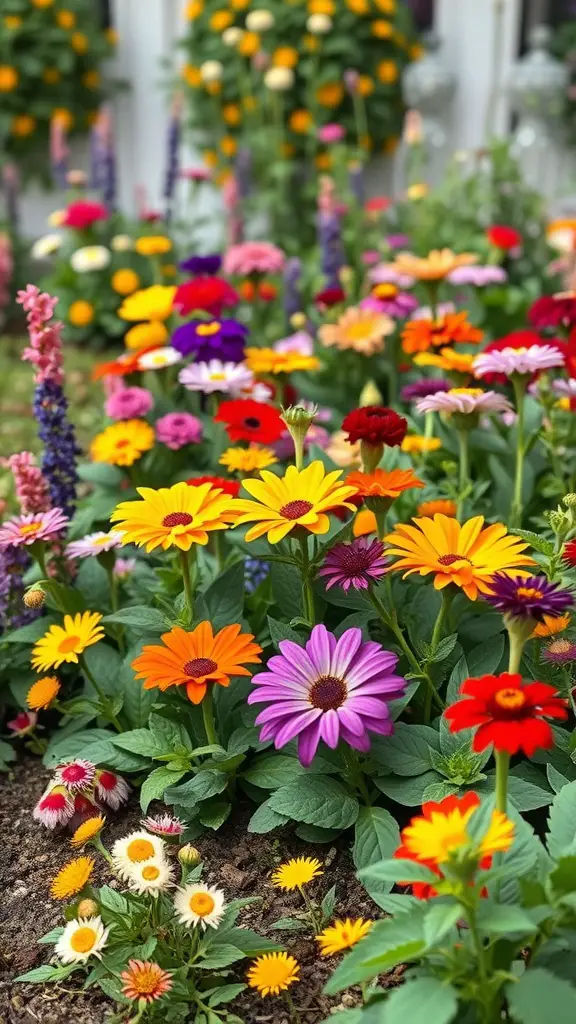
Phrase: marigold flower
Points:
(508, 713)
(197, 658)
(441, 831)
(268, 360)
(467, 554)
(247, 460)
(176, 516)
(551, 625)
(375, 425)
(296, 873)
(360, 329)
(450, 329)
(445, 506)
(146, 336)
(384, 483)
(88, 830)
(154, 303)
(153, 245)
(81, 939)
(43, 692)
(67, 642)
(123, 443)
(145, 980)
(342, 935)
(72, 878)
(273, 973)
(433, 267)
(417, 444)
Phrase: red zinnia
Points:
(231, 487)
(569, 553)
(209, 294)
(508, 713)
(330, 296)
(247, 420)
(377, 204)
(376, 425)
(503, 236)
(84, 214)
(553, 311)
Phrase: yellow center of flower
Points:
(474, 392)
(99, 541)
(82, 941)
(510, 699)
(385, 291)
(69, 644)
(454, 840)
(295, 509)
(328, 693)
(139, 850)
(561, 646)
(202, 904)
(360, 330)
(145, 980)
(207, 329)
(29, 528)
(217, 376)
(158, 360)
(150, 873)
(530, 593)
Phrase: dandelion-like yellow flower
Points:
(342, 935)
(267, 360)
(72, 878)
(153, 303)
(417, 443)
(297, 872)
(43, 692)
(67, 642)
(247, 460)
(123, 443)
(273, 973)
(176, 516)
(88, 830)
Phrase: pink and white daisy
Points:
(231, 378)
(164, 825)
(95, 544)
(23, 723)
(124, 567)
(55, 807)
(386, 273)
(464, 401)
(158, 358)
(478, 277)
(76, 775)
(111, 789)
(25, 530)
(524, 361)
(258, 392)
(564, 388)
(300, 341)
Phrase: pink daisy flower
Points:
(25, 530)
(253, 258)
(95, 544)
(232, 378)
(111, 789)
(76, 775)
(525, 361)
(124, 567)
(464, 401)
(386, 273)
(55, 807)
(164, 825)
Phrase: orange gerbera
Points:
(450, 329)
(433, 267)
(445, 506)
(464, 554)
(448, 360)
(384, 483)
(195, 659)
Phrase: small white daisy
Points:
(46, 246)
(135, 849)
(81, 939)
(199, 905)
(152, 877)
(90, 257)
(158, 358)
(215, 375)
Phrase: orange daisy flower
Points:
(445, 506)
(197, 658)
(450, 329)
(384, 483)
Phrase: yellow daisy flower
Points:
(267, 360)
(42, 693)
(342, 935)
(146, 335)
(438, 834)
(447, 359)
(67, 642)
(176, 516)
(153, 245)
(273, 973)
(417, 443)
(153, 303)
(72, 878)
(247, 460)
(88, 830)
(433, 267)
(296, 873)
(123, 443)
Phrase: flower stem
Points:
(307, 592)
(314, 920)
(208, 717)
(101, 695)
(519, 384)
(185, 564)
(464, 475)
(502, 758)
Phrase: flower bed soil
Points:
(236, 861)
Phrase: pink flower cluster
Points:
(178, 429)
(31, 486)
(45, 350)
(77, 791)
(129, 403)
(253, 258)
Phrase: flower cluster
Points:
(78, 790)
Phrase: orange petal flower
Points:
(433, 267)
(451, 329)
(384, 483)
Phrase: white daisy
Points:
(81, 939)
(135, 849)
(199, 905)
(90, 257)
(159, 358)
(121, 243)
(46, 246)
(216, 376)
(152, 877)
(258, 392)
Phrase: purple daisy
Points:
(560, 651)
(202, 265)
(354, 565)
(528, 597)
(423, 388)
(211, 339)
(329, 690)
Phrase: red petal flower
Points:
(210, 294)
(375, 424)
(503, 236)
(83, 214)
(247, 420)
(231, 487)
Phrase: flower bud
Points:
(87, 908)
(189, 856)
(569, 500)
(298, 321)
(370, 394)
(34, 598)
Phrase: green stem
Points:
(356, 774)
(519, 384)
(307, 592)
(392, 624)
(113, 584)
(502, 758)
(439, 624)
(208, 717)
(464, 475)
(470, 915)
(294, 1015)
(101, 695)
(517, 642)
(429, 425)
(316, 924)
(185, 564)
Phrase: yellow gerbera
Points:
(123, 443)
(247, 460)
(433, 267)
(42, 693)
(447, 359)
(153, 303)
(296, 873)
(153, 245)
(442, 832)
(146, 335)
(464, 554)
(361, 330)
(299, 498)
(65, 643)
(267, 360)
(417, 443)
(72, 878)
(88, 830)
(176, 516)
(272, 973)
(342, 935)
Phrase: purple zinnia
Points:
(423, 388)
(202, 265)
(211, 339)
(528, 597)
(329, 690)
(354, 565)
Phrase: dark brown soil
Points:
(238, 862)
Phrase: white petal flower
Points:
(211, 71)
(464, 401)
(259, 21)
(122, 243)
(152, 877)
(215, 375)
(199, 905)
(90, 257)
(279, 79)
(134, 850)
(232, 36)
(46, 246)
(81, 939)
(158, 358)
(517, 360)
(319, 24)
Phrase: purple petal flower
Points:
(559, 651)
(528, 597)
(202, 265)
(332, 690)
(211, 339)
(355, 565)
(423, 388)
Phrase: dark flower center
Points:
(295, 509)
(177, 519)
(199, 667)
(328, 693)
(354, 561)
(252, 422)
(450, 559)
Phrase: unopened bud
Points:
(558, 520)
(87, 908)
(189, 856)
(345, 275)
(34, 598)
(370, 395)
(298, 321)
(569, 500)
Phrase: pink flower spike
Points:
(111, 789)
(54, 808)
(76, 775)
(31, 486)
(25, 530)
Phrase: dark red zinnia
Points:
(507, 712)
(231, 487)
(247, 420)
(375, 425)
(330, 296)
(553, 311)
(210, 294)
(503, 236)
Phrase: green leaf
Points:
(248, 941)
(140, 741)
(286, 588)
(112, 900)
(408, 792)
(481, 660)
(444, 648)
(47, 972)
(137, 701)
(154, 787)
(539, 996)
(563, 877)
(225, 994)
(376, 838)
(556, 780)
(388, 943)
(281, 631)
(545, 547)
(396, 870)
(440, 920)
(140, 618)
(214, 813)
(273, 770)
(437, 1001)
(498, 919)
(51, 936)
(265, 819)
(103, 662)
(407, 751)
(321, 801)
(562, 821)
(32, 632)
(171, 735)
(102, 474)
(315, 834)
(224, 599)
(205, 784)
(65, 748)
(221, 955)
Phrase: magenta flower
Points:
(55, 807)
(478, 277)
(254, 258)
(94, 544)
(75, 775)
(31, 485)
(523, 360)
(129, 404)
(464, 401)
(528, 597)
(329, 690)
(23, 723)
(400, 305)
(355, 565)
(331, 133)
(111, 789)
(178, 429)
(25, 530)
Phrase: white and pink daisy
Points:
(524, 361)
(386, 273)
(164, 825)
(564, 388)
(111, 789)
(478, 277)
(425, 312)
(158, 358)
(464, 401)
(94, 544)
(258, 392)
(124, 567)
(23, 723)
(215, 375)
(55, 807)
(300, 341)
(76, 775)
(25, 530)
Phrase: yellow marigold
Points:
(342, 935)
(194, 9)
(220, 20)
(192, 76)
(365, 85)
(81, 313)
(214, 88)
(153, 245)
(23, 125)
(300, 121)
(249, 44)
(51, 76)
(247, 460)
(311, 42)
(268, 360)
(386, 6)
(330, 95)
(418, 191)
(88, 830)
(9, 78)
(285, 57)
(146, 335)
(551, 625)
(72, 878)
(210, 158)
(359, 6)
(322, 7)
(123, 443)
(228, 145)
(387, 71)
(239, 5)
(417, 443)
(231, 113)
(296, 873)
(79, 42)
(362, 330)
(154, 303)
(125, 281)
(43, 692)
(176, 516)
(273, 973)
(65, 19)
(12, 22)
(66, 642)
(382, 29)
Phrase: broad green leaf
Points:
(440, 920)
(496, 919)
(376, 838)
(407, 751)
(221, 955)
(396, 870)
(140, 618)
(407, 791)
(47, 972)
(171, 735)
(112, 900)
(315, 834)
(555, 778)
(541, 544)
(286, 588)
(248, 941)
(205, 784)
(103, 662)
(137, 701)
(225, 994)
(562, 820)
(265, 819)
(214, 813)
(281, 631)
(154, 787)
(321, 801)
(140, 741)
(428, 998)
(65, 748)
(539, 997)
(32, 632)
(563, 877)
(224, 599)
